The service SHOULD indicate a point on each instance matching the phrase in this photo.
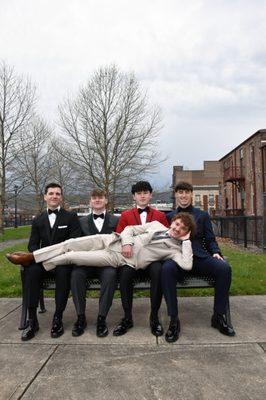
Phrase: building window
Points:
(211, 200)
(197, 200)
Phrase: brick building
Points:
(244, 177)
(205, 182)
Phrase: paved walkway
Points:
(9, 243)
(202, 364)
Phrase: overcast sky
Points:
(202, 62)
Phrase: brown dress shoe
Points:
(21, 258)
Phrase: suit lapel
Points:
(149, 216)
(92, 226)
(46, 224)
(57, 220)
(136, 216)
(105, 223)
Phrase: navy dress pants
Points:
(208, 266)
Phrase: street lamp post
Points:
(16, 207)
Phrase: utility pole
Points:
(264, 223)
(16, 207)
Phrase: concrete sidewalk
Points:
(202, 364)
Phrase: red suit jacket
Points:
(132, 217)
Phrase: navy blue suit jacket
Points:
(204, 243)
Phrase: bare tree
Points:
(64, 172)
(33, 158)
(111, 131)
(17, 97)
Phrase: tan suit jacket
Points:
(107, 249)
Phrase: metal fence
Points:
(241, 229)
(18, 221)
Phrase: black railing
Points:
(20, 220)
(246, 230)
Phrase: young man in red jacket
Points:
(139, 215)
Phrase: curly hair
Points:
(188, 221)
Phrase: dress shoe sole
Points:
(26, 339)
(56, 335)
(172, 340)
(80, 332)
(157, 334)
(217, 326)
(122, 333)
(77, 334)
(102, 334)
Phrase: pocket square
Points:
(62, 227)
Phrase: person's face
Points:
(53, 197)
(183, 198)
(98, 203)
(178, 229)
(142, 199)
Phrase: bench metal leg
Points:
(24, 309)
(41, 303)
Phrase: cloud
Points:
(203, 62)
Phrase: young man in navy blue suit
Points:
(207, 260)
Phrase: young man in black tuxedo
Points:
(98, 222)
(53, 226)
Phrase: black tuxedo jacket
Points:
(88, 226)
(66, 227)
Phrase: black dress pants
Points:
(126, 277)
(33, 277)
(209, 266)
(108, 278)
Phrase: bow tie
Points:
(56, 211)
(141, 210)
(95, 216)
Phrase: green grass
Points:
(10, 283)
(22, 232)
(249, 275)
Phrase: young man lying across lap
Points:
(137, 245)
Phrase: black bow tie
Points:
(141, 210)
(95, 216)
(53, 211)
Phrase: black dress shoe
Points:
(219, 321)
(79, 326)
(101, 329)
(57, 327)
(123, 326)
(29, 332)
(156, 327)
(172, 333)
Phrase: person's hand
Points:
(218, 256)
(127, 250)
(185, 237)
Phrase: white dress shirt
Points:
(52, 217)
(143, 217)
(99, 221)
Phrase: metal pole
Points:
(264, 222)
(16, 207)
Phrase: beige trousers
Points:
(88, 250)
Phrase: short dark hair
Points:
(52, 185)
(183, 186)
(141, 186)
(188, 220)
(98, 193)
